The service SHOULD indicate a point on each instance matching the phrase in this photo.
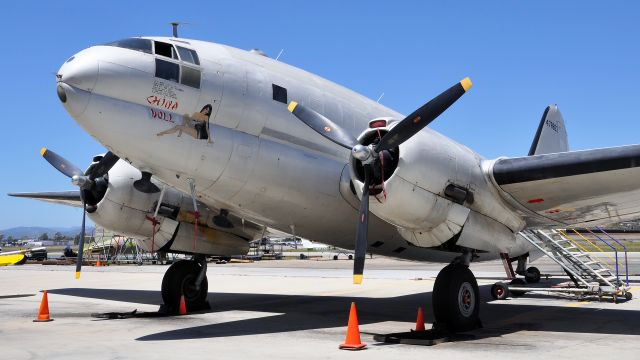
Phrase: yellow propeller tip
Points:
(466, 84)
(77, 275)
(357, 279)
(292, 106)
(42, 151)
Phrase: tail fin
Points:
(551, 136)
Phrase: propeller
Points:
(370, 156)
(92, 186)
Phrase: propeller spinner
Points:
(369, 155)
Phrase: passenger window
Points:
(143, 45)
(167, 70)
(188, 55)
(167, 50)
(190, 77)
(279, 93)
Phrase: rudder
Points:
(551, 136)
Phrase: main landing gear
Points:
(188, 278)
(456, 299)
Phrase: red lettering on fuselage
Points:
(161, 115)
(162, 102)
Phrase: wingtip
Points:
(42, 151)
(292, 106)
(466, 84)
(357, 279)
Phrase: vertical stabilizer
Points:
(551, 136)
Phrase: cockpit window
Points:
(167, 50)
(138, 44)
(167, 70)
(190, 77)
(188, 55)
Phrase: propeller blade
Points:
(61, 164)
(423, 116)
(81, 242)
(363, 229)
(322, 125)
(104, 165)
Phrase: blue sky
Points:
(520, 55)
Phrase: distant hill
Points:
(35, 231)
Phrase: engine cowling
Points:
(433, 188)
(128, 211)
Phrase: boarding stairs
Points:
(585, 270)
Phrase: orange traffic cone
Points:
(420, 321)
(98, 263)
(352, 342)
(183, 306)
(43, 312)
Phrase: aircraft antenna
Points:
(280, 53)
(174, 27)
(380, 98)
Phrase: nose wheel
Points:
(456, 300)
(182, 279)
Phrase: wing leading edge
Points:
(70, 198)
(573, 188)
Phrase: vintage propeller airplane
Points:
(209, 145)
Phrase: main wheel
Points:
(180, 279)
(532, 275)
(456, 300)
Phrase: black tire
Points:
(518, 282)
(335, 257)
(350, 257)
(532, 275)
(628, 296)
(500, 291)
(180, 279)
(456, 299)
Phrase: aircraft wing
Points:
(584, 188)
(71, 197)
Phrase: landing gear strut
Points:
(188, 278)
(456, 299)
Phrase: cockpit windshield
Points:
(138, 44)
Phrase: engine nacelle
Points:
(128, 211)
(432, 190)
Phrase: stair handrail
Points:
(593, 272)
(562, 265)
(626, 261)
(615, 251)
(574, 242)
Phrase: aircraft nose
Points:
(75, 81)
(74, 100)
(80, 71)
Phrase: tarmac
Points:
(297, 309)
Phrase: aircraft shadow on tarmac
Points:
(297, 312)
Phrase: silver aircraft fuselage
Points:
(259, 160)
